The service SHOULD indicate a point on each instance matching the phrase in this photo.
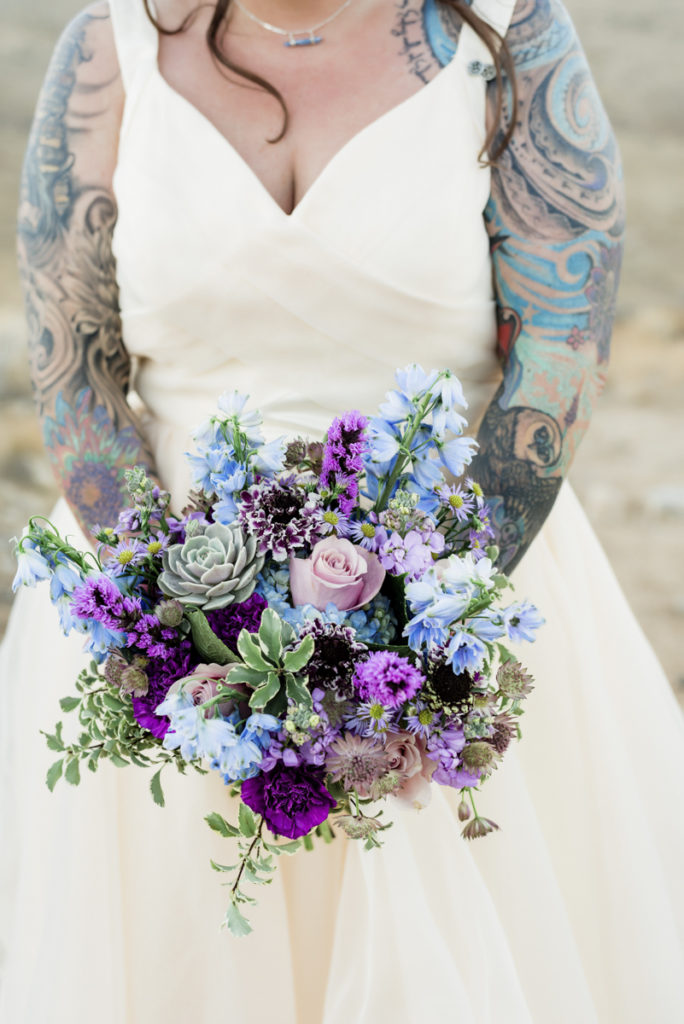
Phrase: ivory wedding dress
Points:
(574, 911)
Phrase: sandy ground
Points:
(630, 470)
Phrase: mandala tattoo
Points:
(80, 368)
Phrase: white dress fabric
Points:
(574, 911)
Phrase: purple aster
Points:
(127, 552)
(388, 678)
(282, 516)
(459, 504)
(369, 534)
(422, 720)
(99, 598)
(228, 622)
(162, 673)
(292, 801)
(372, 719)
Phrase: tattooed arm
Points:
(555, 219)
(79, 366)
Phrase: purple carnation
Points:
(292, 801)
(99, 598)
(345, 447)
(229, 621)
(387, 678)
(161, 673)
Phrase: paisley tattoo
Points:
(555, 219)
(80, 368)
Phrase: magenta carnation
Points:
(387, 678)
(291, 801)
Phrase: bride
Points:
(293, 197)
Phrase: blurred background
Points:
(629, 472)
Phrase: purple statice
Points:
(99, 598)
(445, 748)
(281, 515)
(343, 454)
(229, 621)
(161, 673)
(291, 800)
(387, 678)
(148, 634)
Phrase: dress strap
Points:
(135, 38)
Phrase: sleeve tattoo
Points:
(80, 369)
(555, 220)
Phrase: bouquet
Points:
(323, 625)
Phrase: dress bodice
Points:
(384, 261)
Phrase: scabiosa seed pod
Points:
(134, 681)
(169, 613)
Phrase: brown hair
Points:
(497, 46)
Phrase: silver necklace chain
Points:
(295, 37)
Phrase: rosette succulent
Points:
(213, 568)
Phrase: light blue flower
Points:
(383, 442)
(64, 580)
(522, 619)
(232, 405)
(99, 639)
(31, 566)
(427, 475)
(457, 454)
(450, 391)
(488, 625)
(396, 408)
(446, 419)
(465, 652)
(414, 382)
(270, 458)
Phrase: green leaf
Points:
(278, 705)
(247, 823)
(261, 697)
(222, 867)
(288, 848)
(297, 691)
(72, 771)
(112, 702)
(206, 643)
(294, 661)
(54, 774)
(236, 922)
(394, 587)
(504, 654)
(270, 635)
(287, 633)
(220, 825)
(251, 653)
(242, 674)
(117, 761)
(69, 703)
(156, 789)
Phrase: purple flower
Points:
(99, 598)
(445, 748)
(343, 458)
(409, 555)
(292, 801)
(162, 673)
(229, 621)
(388, 678)
(151, 636)
(459, 504)
(282, 516)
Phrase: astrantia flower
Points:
(480, 757)
(292, 801)
(357, 762)
(388, 678)
(336, 652)
(282, 516)
(504, 731)
(479, 827)
(513, 680)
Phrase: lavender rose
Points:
(291, 801)
(202, 684)
(336, 571)
(407, 757)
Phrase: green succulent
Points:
(272, 664)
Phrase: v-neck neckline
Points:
(337, 156)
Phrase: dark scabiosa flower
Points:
(161, 673)
(388, 678)
(343, 457)
(334, 658)
(292, 801)
(229, 621)
(449, 689)
(282, 516)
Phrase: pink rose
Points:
(336, 571)
(202, 684)
(406, 755)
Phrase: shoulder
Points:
(540, 32)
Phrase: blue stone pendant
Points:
(309, 40)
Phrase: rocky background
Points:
(630, 470)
